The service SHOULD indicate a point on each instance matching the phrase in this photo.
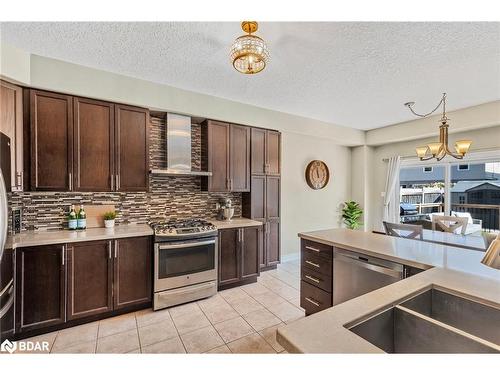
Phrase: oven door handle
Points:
(184, 245)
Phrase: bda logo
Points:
(8, 346)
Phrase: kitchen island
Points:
(447, 268)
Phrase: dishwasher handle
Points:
(365, 263)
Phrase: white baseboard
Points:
(290, 257)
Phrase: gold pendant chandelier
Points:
(439, 150)
(249, 53)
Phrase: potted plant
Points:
(109, 219)
(351, 214)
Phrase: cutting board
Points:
(95, 214)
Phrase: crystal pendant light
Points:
(249, 53)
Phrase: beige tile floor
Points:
(237, 320)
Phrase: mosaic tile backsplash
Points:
(168, 198)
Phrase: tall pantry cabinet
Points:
(263, 201)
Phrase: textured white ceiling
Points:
(352, 74)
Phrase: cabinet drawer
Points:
(317, 279)
(313, 299)
(316, 263)
(317, 248)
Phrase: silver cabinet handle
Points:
(112, 182)
(117, 179)
(313, 249)
(116, 249)
(310, 300)
(70, 176)
(317, 281)
(109, 249)
(313, 264)
(63, 254)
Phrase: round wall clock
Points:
(317, 174)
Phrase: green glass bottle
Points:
(72, 219)
(82, 218)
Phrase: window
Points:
(452, 187)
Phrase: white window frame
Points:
(448, 162)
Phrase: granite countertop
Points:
(454, 269)
(50, 237)
(237, 222)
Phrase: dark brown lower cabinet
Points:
(40, 287)
(239, 255)
(102, 277)
(90, 278)
(132, 272)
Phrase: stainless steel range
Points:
(185, 262)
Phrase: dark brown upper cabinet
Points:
(80, 144)
(265, 147)
(11, 124)
(90, 278)
(40, 287)
(132, 148)
(93, 145)
(226, 153)
(51, 124)
(239, 158)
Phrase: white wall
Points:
(482, 139)
(305, 209)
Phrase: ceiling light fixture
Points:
(249, 53)
(439, 150)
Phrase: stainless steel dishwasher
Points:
(356, 274)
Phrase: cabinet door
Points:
(132, 148)
(250, 251)
(258, 198)
(229, 256)
(11, 124)
(258, 151)
(272, 197)
(218, 156)
(239, 159)
(273, 242)
(93, 145)
(273, 152)
(51, 118)
(40, 287)
(90, 278)
(132, 271)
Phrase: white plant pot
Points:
(109, 223)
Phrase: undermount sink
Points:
(433, 321)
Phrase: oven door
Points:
(185, 263)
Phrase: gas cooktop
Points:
(182, 229)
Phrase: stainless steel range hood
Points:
(179, 148)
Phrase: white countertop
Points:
(420, 254)
(50, 237)
(237, 222)
(456, 270)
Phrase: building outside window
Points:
(471, 190)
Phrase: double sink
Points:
(433, 321)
